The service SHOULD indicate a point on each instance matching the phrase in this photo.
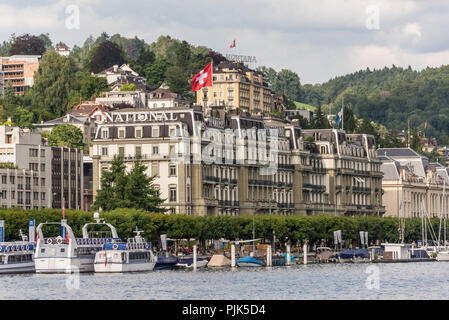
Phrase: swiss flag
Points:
(203, 78)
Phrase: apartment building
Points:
(237, 86)
(18, 71)
(34, 175)
(265, 167)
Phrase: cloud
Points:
(317, 39)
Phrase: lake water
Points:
(422, 280)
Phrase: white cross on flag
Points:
(203, 78)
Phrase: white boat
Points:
(17, 257)
(133, 256)
(187, 263)
(69, 254)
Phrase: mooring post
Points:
(269, 259)
(194, 258)
(305, 253)
(233, 255)
(288, 255)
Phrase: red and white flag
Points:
(425, 125)
(63, 210)
(232, 44)
(203, 78)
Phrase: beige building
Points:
(265, 167)
(18, 71)
(237, 86)
(412, 184)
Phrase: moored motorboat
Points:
(187, 263)
(133, 256)
(249, 261)
(17, 256)
(165, 262)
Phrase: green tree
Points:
(66, 135)
(155, 73)
(113, 184)
(320, 120)
(176, 80)
(53, 84)
(140, 192)
(365, 126)
(22, 118)
(128, 87)
(90, 86)
(105, 55)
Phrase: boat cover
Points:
(219, 260)
(249, 259)
(348, 254)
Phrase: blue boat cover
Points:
(419, 253)
(292, 258)
(249, 259)
(348, 253)
(167, 260)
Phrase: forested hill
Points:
(390, 96)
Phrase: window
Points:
(42, 195)
(104, 151)
(172, 131)
(172, 194)
(155, 132)
(3, 179)
(105, 133)
(138, 151)
(121, 151)
(36, 181)
(155, 169)
(42, 182)
(34, 166)
(11, 179)
(121, 133)
(172, 170)
(43, 167)
(33, 152)
(172, 151)
(43, 153)
(138, 133)
(155, 149)
(35, 195)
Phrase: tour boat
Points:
(135, 255)
(67, 254)
(187, 263)
(17, 257)
(249, 261)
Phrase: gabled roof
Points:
(399, 152)
(87, 109)
(65, 119)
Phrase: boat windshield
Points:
(100, 234)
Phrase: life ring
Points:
(49, 241)
(27, 247)
(7, 249)
(115, 246)
(59, 240)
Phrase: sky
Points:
(318, 39)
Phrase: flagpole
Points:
(342, 112)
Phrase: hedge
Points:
(314, 229)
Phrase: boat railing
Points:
(96, 241)
(18, 247)
(127, 246)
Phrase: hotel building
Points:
(182, 148)
(412, 184)
(237, 86)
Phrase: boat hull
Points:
(248, 264)
(65, 264)
(443, 256)
(24, 267)
(199, 264)
(117, 267)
